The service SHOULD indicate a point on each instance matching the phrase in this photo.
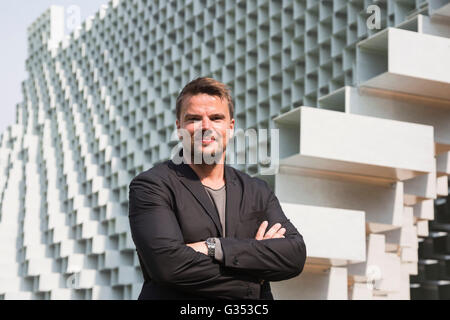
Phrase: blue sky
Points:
(15, 17)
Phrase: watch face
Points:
(211, 246)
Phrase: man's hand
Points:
(275, 232)
(199, 247)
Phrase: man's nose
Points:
(206, 123)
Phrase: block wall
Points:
(99, 107)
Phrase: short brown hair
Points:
(208, 86)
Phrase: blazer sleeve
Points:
(168, 260)
(270, 259)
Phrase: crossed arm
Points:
(275, 232)
(276, 255)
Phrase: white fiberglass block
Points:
(126, 275)
(103, 293)
(424, 210)
(332, 236)
(49, 281)
(75, 263)
(396, 106)
(402, 237)
(37, 266)
(443, 163)
(422, 228)
(8, 267)
(442, 186)
(436, 25)
(372, 267)
(420, 188)
(98, 244)
(328, 285)
(87, 278)
(360, 291)
(61, 294)
(34, 250)
(390, 274)
(7, 248)
(336, 141)
(382, 203)
(18, 295)
(409, 255)
(401, 60)
(403, 291)
(124, 105)
(439, 8)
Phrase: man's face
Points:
(206, 120)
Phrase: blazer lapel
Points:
(233, 203)
(191, 181)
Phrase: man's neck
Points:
(211, 175)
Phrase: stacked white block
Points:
(354, 162)
(393, 84)
(326, 275)
(99, 107)
(389, 59)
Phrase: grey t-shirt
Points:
(218, 197)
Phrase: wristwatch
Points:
(211, 244)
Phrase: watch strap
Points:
(211, 244)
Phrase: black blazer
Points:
(169, 207)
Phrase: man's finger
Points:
(261, 230)
(272, 231)
(279, 234)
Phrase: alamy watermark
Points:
(374, 20)
(374, 276)
(240, 146)
(73, 281)
(73, 17)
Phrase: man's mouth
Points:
(208, 140)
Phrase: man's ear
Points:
(177, 123)
(231, 133)
(232, 128)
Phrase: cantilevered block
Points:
(332, 236)
(384, 104)
(336, 141)
(405, 237)
(103, 292)
(435, 25)
(330, 284)
(18, 295)
(360, 291)
(61, 294)
(422, 228)
(390, 274)
(420, 188)
(371, 269)
(443, 164)
(442, 186)
(49, 281)
(401, 60)
(37, 266)
(424, 210)
(439, 8)
(382, 203)
(403, 292)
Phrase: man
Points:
(203, 229)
